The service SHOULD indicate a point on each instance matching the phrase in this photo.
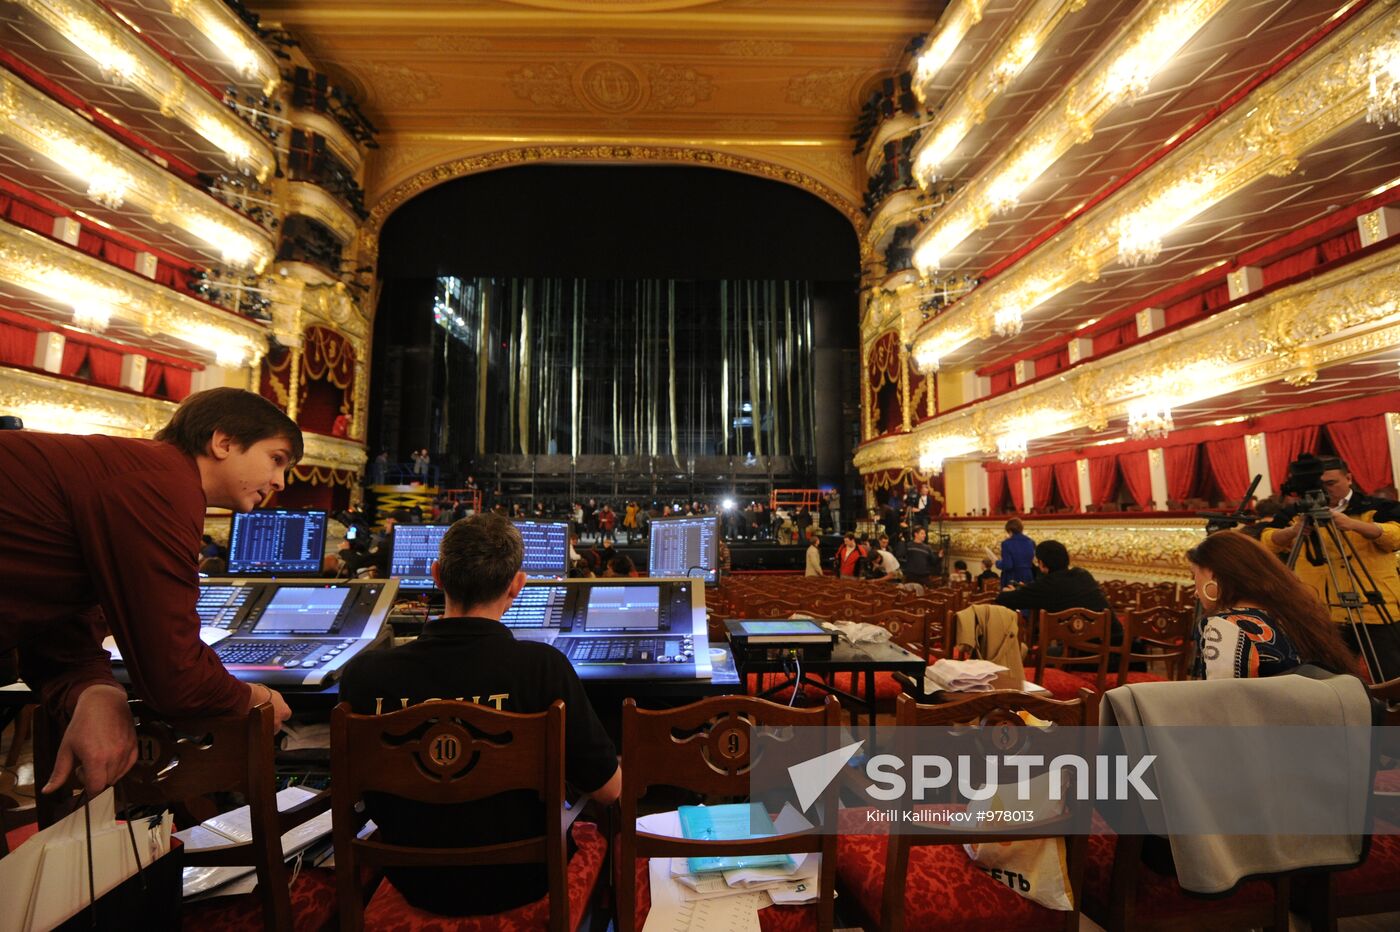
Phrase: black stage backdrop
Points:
(685, 314)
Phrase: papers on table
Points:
(724, 901)
(857, 632)
(962, 676)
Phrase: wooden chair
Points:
(705, 748)
(1374, 885)
(873, 871)
(447, 752)
(1166, 634)
(1083, 636)
(182, 762)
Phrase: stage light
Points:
(728, 504)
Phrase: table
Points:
(865, 659)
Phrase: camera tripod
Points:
(1357, 594)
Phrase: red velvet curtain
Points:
(1137, 475)
(73, 356)
(106, 366)
(996, 490)
(1018, 489)
(1103, 479)
(1339, 246)
(1182, 463)
(1067, 479)
(1283, 447)
(1042, 487)
(1230, 466)
(31, 217)
(1362, 443)
(17, 345)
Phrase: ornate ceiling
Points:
(761, 82)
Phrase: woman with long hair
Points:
(1260, 619)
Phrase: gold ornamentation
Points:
(333, 452)
(1305, 104)
(676, 86)
(609, 87)
(50, 403)
(1137, 547)
(453, 44)
(232, 37)
(369, 233)
(1255, 343)
(831, 90)
(51, 130)
(397, 85)
(547, 85)
(757, 48)
(604, 45)
(314, 201)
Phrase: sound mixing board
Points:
(292, 632)
(618, 629)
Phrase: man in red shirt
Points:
(102, 533)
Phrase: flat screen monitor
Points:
(303, 610)
(415, 549)
(685, 546)
(546, 548)
(277, 542)
(623, 608)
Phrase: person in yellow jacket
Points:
(1372, 527)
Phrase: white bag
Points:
(1037, 868)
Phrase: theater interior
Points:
(709, 285)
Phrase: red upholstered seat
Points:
(18, 836)
(1379, 873)
(1065, 685)
(943, 890)
(770, 918)
(313, 907)
(1142, 676)
(1159, 896)
(1387, 781)
(388, 910)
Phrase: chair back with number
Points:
(987, 711)
(182, 762)
(1083, 636)
(447, 752)
(705, 747)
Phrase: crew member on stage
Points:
(101, 534)
(469, 653)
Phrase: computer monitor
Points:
(415, 548)
(684, 546)
(546, 548)
(277, 542)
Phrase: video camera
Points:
(1305, 481)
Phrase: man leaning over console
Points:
(469, 655)
(102, 533)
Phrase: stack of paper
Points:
(235, 828)
(962, 676)
(725, 900)
(857, 632)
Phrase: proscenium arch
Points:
(601, 154)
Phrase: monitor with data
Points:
(546, 548)
(411, 560)
(685, 546)
(277, 542)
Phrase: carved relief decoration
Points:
(1137, 547)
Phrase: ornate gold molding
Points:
(115, 172)
(226, 32)
(67, 276)
(1136, 547)
(333, 452)
(110, 43)
(967, 105)
(1262, 135)
(957, 20)
(332, 132)
(1292, 333)
(456, 168)
(310, 200)
(62, 406)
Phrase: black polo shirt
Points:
(476, 660)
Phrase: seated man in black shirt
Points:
(1058, 587)
(469, 655)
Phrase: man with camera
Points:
(1371, 527)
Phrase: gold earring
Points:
(1210, 596)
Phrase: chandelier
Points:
(1139, 239)
(92, 315)
(1011, 448)
(932, 463)
(1383, 94)
(1149, 420)
(1007, 321)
